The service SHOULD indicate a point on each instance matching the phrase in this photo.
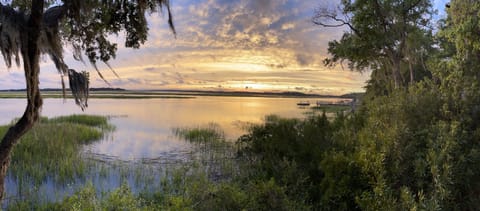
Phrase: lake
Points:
(144, 142)
(144, 127)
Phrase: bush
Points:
(300, 156)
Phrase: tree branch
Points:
(412, 6)
(341, 22)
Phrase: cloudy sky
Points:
(255, 45)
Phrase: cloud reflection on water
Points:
(144, 126)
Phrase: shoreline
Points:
(177, 94)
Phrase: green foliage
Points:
(392, 38)
(87, 199)
(121, 199)
(310, 158)
(414, 148)
(342, 183)
(84, 199)
(394, 144)
(417, 154)
(257, 196)
(405, 151)
(462, 27)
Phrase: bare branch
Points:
(323, 17)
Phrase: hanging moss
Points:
(79, 83)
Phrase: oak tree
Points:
(29, 28)
(382, 35)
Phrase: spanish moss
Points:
(79, 85)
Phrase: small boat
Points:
(303, 103)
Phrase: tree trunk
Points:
(30, 54)
(396, 73)
(412, 75)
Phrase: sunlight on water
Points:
(143, 148)
(144, 126)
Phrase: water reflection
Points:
(144, 126)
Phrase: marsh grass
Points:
(146, 186)
(88, 120)
(211, 150)
(51, 151)
(212, 133)
(213, 178)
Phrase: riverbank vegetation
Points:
(396, 152)
(412, 145)
(51, 151)
(403, 154)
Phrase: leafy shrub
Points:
(300, 156)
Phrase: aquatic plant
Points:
(211, 133)
(43, 155)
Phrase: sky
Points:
(242, 45)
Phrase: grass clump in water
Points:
(80, 119)
(210, 133)
(52, 149)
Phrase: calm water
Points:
(144, 126)
(144, 132)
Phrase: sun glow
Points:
(246, 61)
